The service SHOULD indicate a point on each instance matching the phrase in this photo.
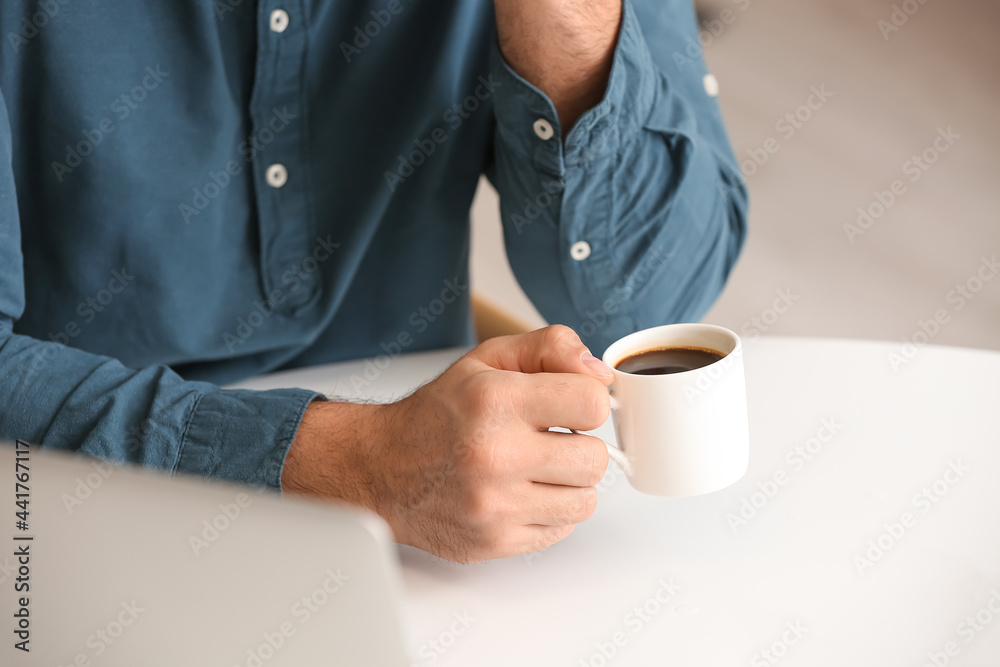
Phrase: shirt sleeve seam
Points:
(188, 421)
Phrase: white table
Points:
(654, 581)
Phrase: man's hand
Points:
(563, 47)
(465, 467)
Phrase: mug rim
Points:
(618, 351)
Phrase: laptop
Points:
(104, 565)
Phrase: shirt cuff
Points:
(242, 435)
(602, 130)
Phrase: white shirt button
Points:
(543, 129)
(580, 251)
(276, 175)
(711, 85)
(279, 20)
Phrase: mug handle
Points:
(617, 455)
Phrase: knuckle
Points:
(579, 507)
(476, 458)
(596, 404)
(478, 394)
(596, 464)
(587, 504)
(559, 335)
(484, 350)
(483, 461)
(479, 509)
(462, 370)
(463, 454)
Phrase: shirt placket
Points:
(278, 146)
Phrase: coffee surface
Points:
(668, 360)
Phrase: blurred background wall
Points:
(917, 258)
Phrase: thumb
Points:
(553, 349)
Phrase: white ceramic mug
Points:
(681, 434)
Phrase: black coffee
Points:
(668, 360)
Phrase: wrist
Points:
(330, 455)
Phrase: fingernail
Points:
(595, 364)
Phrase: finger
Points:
(554, 349)
(568, 459)
(544, 400)
(554, 505)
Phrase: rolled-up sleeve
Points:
(637, 218)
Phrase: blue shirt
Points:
(194, 192)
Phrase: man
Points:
(193, 192)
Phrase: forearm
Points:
(563, 47)
(64, 398)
